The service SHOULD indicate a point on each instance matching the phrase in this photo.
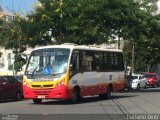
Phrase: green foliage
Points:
(88, 22)
(18, 63)
(146, 54)
(10, 67)
(12, 36)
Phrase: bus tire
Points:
(109, 92)
(75, 95)
(37, 101)
(102, 96)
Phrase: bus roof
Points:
(81, 47)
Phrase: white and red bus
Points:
(72, 71)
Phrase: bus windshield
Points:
(49, 61)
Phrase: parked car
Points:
(152, 79)
(138, 81)
(10, 88)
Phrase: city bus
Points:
(70, 72)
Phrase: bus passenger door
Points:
(76, 76)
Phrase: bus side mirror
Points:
(71, 66)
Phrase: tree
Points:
(45, 25)
(87, 22)
(145, 37)
(12, 37)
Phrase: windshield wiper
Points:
(34, 71)
(54, 74)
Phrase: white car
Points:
(138, 81)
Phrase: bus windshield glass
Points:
(49, 61)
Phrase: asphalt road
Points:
(122, 103)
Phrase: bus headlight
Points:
(25, 83)
(60, 83)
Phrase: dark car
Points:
(10, 88)
(152, 79)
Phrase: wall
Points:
(7, 59)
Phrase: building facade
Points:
(7, 59)
(6, 16)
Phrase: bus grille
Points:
(43, 86)
(48, 85)
(36, 86)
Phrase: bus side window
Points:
(107, 62)
(98, 61)
(75, 61)
(87, 61)
(120, 62)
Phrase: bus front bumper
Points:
(54, 93)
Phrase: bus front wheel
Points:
(37, 101)
(102, 96)
(109, 92)
(75, 95)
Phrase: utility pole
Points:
(13, 67)
(118, 42)
(133, 57)
(119, 38)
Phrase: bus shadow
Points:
(10, 101)
(148, 90)
(85, 100)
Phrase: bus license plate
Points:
(41, 96)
